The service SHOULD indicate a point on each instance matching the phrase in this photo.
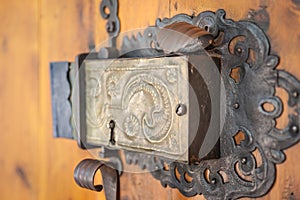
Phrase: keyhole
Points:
(112, 134)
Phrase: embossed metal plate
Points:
(140, 97)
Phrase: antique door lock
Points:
(189, 93)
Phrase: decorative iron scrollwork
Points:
(246, 169)
(86, 171)
(109, 11)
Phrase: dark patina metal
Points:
(224, 178)
(235, 171)
(61, 107)
(86, 171)
(109, 11)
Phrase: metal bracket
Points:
(247, 167)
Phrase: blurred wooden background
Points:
(34, 165)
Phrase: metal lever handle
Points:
(85, 172)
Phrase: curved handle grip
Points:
(85, 172)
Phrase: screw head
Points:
(295, 94)
(236, 105)
(213, 181)
(244, 160)
(181, 109)
(295, 129)
(238, 50)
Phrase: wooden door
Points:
(33, 33)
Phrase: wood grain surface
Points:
(36, 166)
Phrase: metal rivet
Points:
(213, 181)
(239, 50)
(181, 109)
(149, 34)
(244, 160)
(295, 129)
(295, 94)
(236, 105)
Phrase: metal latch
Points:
(147, 105)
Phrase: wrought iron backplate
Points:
(246, 168)
(109, 11)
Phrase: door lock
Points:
(186, 99)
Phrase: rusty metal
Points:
(189, 38)
(86, 171)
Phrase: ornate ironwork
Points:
(246, 168)
(109, 11)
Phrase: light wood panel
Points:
(66, 29)
(18, 99)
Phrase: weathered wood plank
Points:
(66, 29)
(18, 99)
